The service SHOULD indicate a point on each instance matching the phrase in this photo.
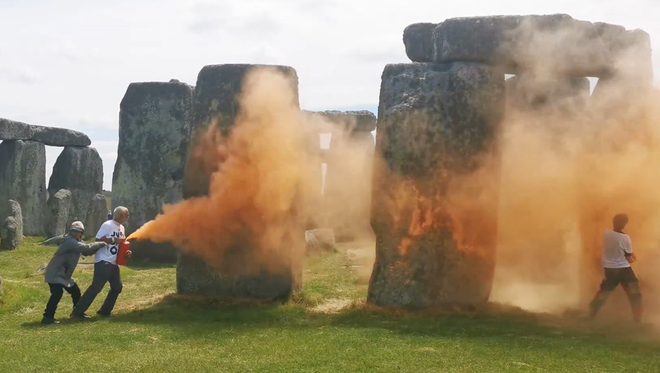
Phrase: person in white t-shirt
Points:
(105, 266)
(617, 256)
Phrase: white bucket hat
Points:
(77, 226)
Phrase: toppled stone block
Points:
(154, 133)
(57, 211)
(23, 179)
(52, 136)
(216, 96)
(435, 244)
(79, 170)
(97, 214)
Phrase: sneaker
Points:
(86, 316)
(101, 314)
(49, 321)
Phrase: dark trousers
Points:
(103, 272)
(628, 281)
(56, 291)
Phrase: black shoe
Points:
(49, 321)
(74, 316)
(101, 314)
(86, 316)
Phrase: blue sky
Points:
(68, 63)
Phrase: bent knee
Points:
(632, 288)
(117, 289)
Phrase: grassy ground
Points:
(328, 328)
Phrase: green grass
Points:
(327, 328)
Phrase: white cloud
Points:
(19, 75)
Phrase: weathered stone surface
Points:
(57, 213)
(435, 244)
(79, 170)
(23, 179)
(195, 277)
(53, 136)
(9, 236)
(544, 42)
(97, 214)
(418, 39)
(154, 132)
(555, 94)
(347, 191)
(12, 229)
(349, 121)
(217, 96)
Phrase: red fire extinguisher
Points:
(121, 255)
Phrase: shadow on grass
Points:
(36, 324)
(198, 317)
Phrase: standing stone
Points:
(97, 214)
(347, 194)
(11, 231)
(57, 213)
(217, 97)
(154, 131)
(435, 243)
(79, 170)
(347, 190)
(558, 95)
(10, 239)
(23, 179)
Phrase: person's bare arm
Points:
(628, 252)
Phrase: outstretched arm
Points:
(88, 249)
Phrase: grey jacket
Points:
(65, 260)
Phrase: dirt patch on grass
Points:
(332, 306)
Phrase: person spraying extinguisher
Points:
(106, 268)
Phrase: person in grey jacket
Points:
(61, 267)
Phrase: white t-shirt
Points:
(615, 245)
(108, 253)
